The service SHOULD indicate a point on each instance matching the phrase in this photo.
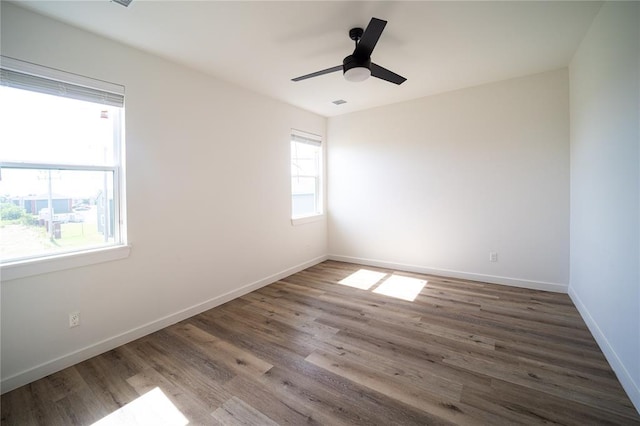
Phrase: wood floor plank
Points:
(322, 398)
(184, 399)
(236, 412)
(438, 405)
(209, 393)
(565, 410)
(17, 407)
(511, 413)
(586, 361)
(501, 329)
(408, 357)
(104, 379)
(213, 369)
(273, 332)
(263, 347)
(297, 320)
(81, 408)
(403, 374)
(309, 349)
(528, 406)
(546, 383)
(382, 311)
(233, 358)
(64, 383)
(28, 405)
(285, 410)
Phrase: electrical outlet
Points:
(74, 319)
(493, 256)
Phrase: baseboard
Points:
(514, 282)
(50, 367)
(628, 383)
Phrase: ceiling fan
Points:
(358, 66)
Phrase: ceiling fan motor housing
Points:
(356, 69)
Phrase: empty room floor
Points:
(340, 344)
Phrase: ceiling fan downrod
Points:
(355, 34)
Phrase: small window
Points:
(306, 175)
(61, 174)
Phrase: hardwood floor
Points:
(308, 350)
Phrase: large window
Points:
(61, 176)
(306, 175)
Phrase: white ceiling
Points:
(437, 46)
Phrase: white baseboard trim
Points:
(515, 282)
(60, 363)
(628, 383)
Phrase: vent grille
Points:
(340, 102)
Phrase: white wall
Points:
(435, 184)
(605, 168)
(208, 191)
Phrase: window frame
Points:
(316, 140)
(87, 89)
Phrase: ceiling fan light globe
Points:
(357, 74)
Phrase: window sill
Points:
(27, 268)
(307, 219)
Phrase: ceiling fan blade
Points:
(369, 38)
(317, 73)
(385, 74)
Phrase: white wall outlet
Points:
(493, 256)
(74, 319)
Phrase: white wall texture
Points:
(605, 188)
(208, 193)
(437, 183)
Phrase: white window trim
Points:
(44, 264)
(17, 65)
(60, 262)
(307, 219)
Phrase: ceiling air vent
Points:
(340, 102)
(124, 3)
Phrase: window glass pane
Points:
(305, 159)
(45, 212)
(304, 199)
(306, 166)
(40, 128)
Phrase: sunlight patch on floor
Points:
(152, 408)
(405, 288)
(363, 279)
